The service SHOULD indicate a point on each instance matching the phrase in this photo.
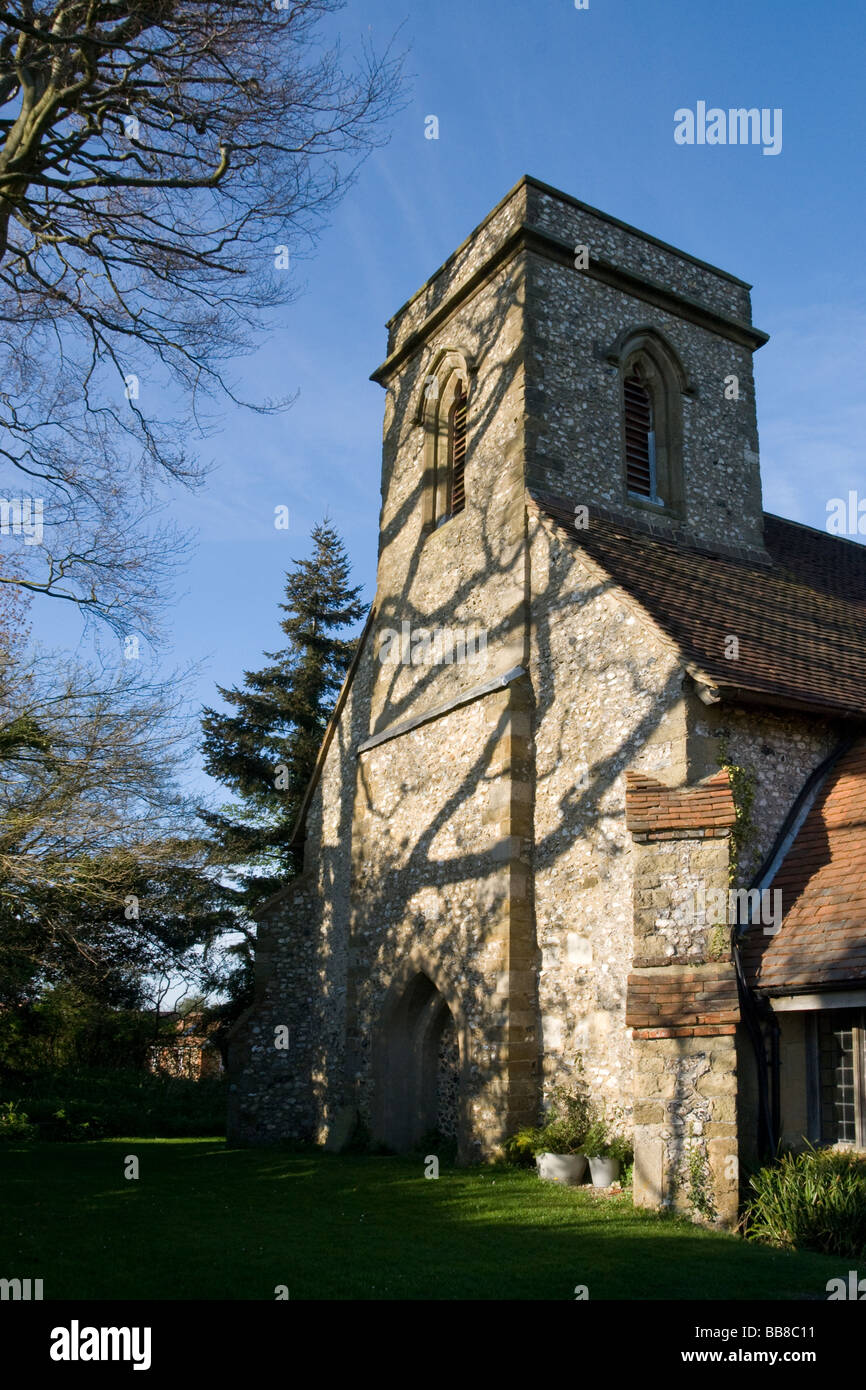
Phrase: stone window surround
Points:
(450, 368)
(666, 382)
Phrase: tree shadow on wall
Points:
(383, 850)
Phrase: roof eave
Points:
(748, 695)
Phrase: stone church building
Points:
(600, 694)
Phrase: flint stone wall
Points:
(608, 698)
(487, 847)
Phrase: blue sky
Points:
(584, 100)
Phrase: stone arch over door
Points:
(418, 1060)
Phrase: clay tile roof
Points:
(800, 616)
(651, 806)
(822, 941)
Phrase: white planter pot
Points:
(565, 1168)
(605, 1171)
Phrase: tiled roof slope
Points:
(822, 941)
(800, 618)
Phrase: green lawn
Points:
(206, 1221)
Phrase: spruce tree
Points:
(266, 749)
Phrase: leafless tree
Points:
(102, 874)
(161, 161)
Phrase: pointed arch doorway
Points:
(417, 1067)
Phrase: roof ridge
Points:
(816, 530)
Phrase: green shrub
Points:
(66, 1030)
(815, 1200)
(68, 1123)
(600, 1142)
(15, 1126)
(521, 1148)
(566, 1125)
(574, 1125)
(567, 1121)
(97, 1104)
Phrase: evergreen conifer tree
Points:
(265, 750)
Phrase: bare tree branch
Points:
(154, 155)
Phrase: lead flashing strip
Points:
(467, 697)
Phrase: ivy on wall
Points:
(743, 790)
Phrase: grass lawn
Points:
(207, 1221)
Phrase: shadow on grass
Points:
(206, 1221)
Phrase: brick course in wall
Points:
(681, 1000)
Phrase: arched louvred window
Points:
(457, 452)
(640, 460)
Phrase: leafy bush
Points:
(65, 1030)
(569, 1118)
(574, 1125)
(94, 1104)
(68, 1123)
(600, 1142)
(521, 1148)
(562, 1133)
(815, 1200)
(15, 1126)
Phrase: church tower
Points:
(463, 928)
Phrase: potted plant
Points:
(558, 1145)
(565, 1168)
(606, 1153)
